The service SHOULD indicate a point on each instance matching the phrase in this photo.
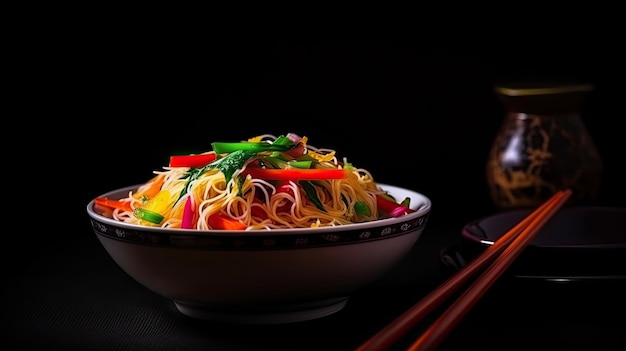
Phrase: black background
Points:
(417, 112)
(106, 104)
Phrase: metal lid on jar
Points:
(541, 88)
(542, 97)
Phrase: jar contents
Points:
(542, 147)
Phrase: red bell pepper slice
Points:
(284, 187)
(297, 151)
(258, 212)
(195, 161)
(296, 174)
(391, 207)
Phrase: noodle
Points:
(232, 194)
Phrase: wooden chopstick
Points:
(514, 240)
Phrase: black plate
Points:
(577, 244)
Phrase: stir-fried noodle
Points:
(212, 196)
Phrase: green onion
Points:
(224, 148)
(148, 216)
(362, 209)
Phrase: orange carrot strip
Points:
(113, 204)
(218, 221)
(155, 186)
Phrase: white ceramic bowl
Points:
(263, 276)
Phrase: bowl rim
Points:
(422, 206)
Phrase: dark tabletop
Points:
(69, 294)
(431, 109)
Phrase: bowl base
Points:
(284, 314)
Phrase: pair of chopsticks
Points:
(509, 246)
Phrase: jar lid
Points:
(541, 88)
(542, 97)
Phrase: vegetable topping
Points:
(264, 182)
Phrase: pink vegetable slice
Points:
(188, 215)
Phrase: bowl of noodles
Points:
(262, 231)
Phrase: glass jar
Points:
(542, 146)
